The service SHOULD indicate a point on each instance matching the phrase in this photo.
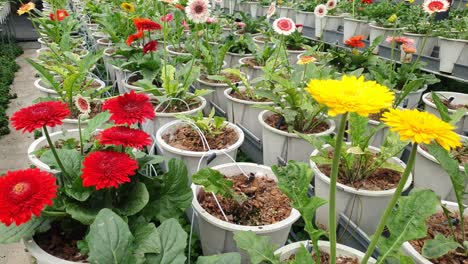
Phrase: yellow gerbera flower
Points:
(351, 94)
(306, 59)
(127, 7)
(421, 127)
(26, 8)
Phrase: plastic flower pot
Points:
(460, 98)
(216, 235)
(410, 251)
(232, 59)
(452, 51)
(128, 82)
(251, 71)
(329, 23)
(307, 19)
(120, 77)
(293, 55)
(376, 31)
(378, 139)
(217, 97)
(108, 56)
(412, 99)
(260, 42)
(241, 112)
(171, 50)
(278, 144)
(45, 91)
(355, 27)
(431, 42)
(193, 158)
(341, 250)
(104, 43)
(363, 207)
(429, 174)
(41, 256)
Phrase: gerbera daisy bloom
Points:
(59, 15)
(127, 7)
(167, 18)
(351, 94)
(367, 1)
(26, 8)
(38, 115)
(400, 40)
(124, 136)
(107, 169)
(146, 24)
(331, 4)
(134, 37)
(299, 27)
(284, 26)
(421, 127)
(271, 10)
(25, 193)
(435, 6)
(408, 49)
(150, 46)
(129, 108)
(306, 59)
(320, 10)
(212, 20)
(198, 10)
(82, 104)
(239, 24)
(355, 42)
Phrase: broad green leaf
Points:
(441, 107)
(147, 240)
(439, 246)
(214, 181)
(227, 258)
(71, 160)
(358, 129)
(109, 239)
(302, 257)
(14, 233)
(392, 166)
(96, 122)
(173, 243)
(259, 248)
(77, 191)
(320, 160)
(132, 199)
(457, 116)
(81, 212)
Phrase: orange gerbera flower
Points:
(355, 42)
(26, 8)
(146, 24)
(134, 37)
(59, 15)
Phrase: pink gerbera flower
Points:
(320, 11)
(198, 11)
(435, 6)
(271, 10)
(331, 4)
(400, 40)
(284, 26)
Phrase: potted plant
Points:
(242, 46)
(305, 14)
(357, 24)
(453, 43)
(332, 18)
(252, 66)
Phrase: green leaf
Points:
(441, 107)
(439, 246)
(109, 239)
(214, 181)
(147, 240)
(173, 243)
(14, 233)
(302, 257)
(227, 258)
(132, 200)
(260, 248)
(81, 212)
(71, 160)
(77, 191)
(96, 122)
(457, 116)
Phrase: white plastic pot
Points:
(431, 42)
(41, 256)
(104, 43)
(251, 72)
(452, 51)
(410, 251)
(216, 235)
(328, 23)
(193, 158)
(307, 19)
(287, 146)
(366, 206)
(379, 138)
(169, 49)
(460, 98)
(261, 43)
(376, 31)
(217, 96)
(292, 56)
(412, 99)
(341, 250)
(241, 112)
(129, 87)
(355, 27)
(46, 92)
(232, 59)
(120, 77)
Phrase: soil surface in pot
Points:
(265, 204)
(262, 39)
(251, 62)
(186, 138)
(438, 224)
(448, 103)
(274, 119)
(460, 153)
(176, 106)
(61, 245)
(325, 259)
(178, 49)
(231, 77)
(242, 95)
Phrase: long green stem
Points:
(54, 152)
(333, 180)
(81, 135)
(391, 204)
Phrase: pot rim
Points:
(227, 93)
(188, 112)
(38, 84)
(241, 62)
(431, 104)
(430, 157)
(452, 39)
(36, 250)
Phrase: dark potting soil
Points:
(176, 106)
(61, 245)
(244, 96)
(460, 153)
(265, 203)
(273, 119)
(325, 259)
(437, 224)
(252, 62)
(231, 77)
(448, 103)
(187, 138)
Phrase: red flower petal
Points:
(59, 15)
(129, 108)
(355, 42)
(107, 169)
(124, 136)
(146, 24)
(24, 193)
(150, 46)
(39, 115)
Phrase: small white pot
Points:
(341, 250)
(452, 51)
(169, 49)
(241, 112)
(104, 43)
(428, 174)
(460, 98)
(354, 27)
(251, 72)
(129, 87)
(431, 42)
(293, 56)
(366, 206)
(46, 92)
(284, 145)
(412, 99)
(109, 56)
(217, 96)
(328, 23)
(192, 158)
(41, 256)
(410, 251)
(217, 235)
(379, 138)
(307, 19)
(261, 43)
(232, 59)
(376, 31)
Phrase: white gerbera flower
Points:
(198, 11)
(284, 26)
(82, 104)
(331, 4)
(435, 6)
(320, 10)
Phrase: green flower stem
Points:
(333, 180)
(54, 152)
(391, 204)
(81, 135)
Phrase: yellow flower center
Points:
(20, 188)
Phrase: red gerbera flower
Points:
(24, 193)
(106, 169)
(180, 7)
(59, 15)
(134, 37)
(355, 42)
(367, 1)
(124, 136)
(146, 24)
(39, 115)
(150, 46)
(129, 108)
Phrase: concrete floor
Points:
(13, 147)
